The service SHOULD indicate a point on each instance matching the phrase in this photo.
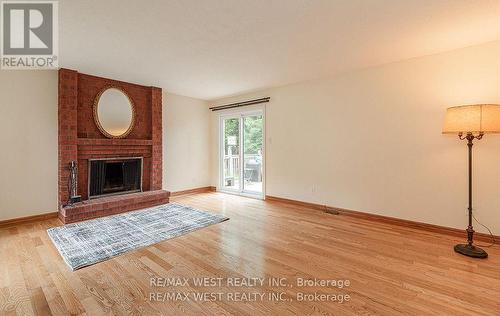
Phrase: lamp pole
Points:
(469, 249)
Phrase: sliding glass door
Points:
(252, 153)
(242, 158)
(231, 154)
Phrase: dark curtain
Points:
(132, 174)
(97, 177)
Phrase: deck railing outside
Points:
(232, 164)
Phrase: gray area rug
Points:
(86, 243)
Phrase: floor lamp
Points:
(471, 122)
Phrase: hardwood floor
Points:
(392, 270)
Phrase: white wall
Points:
(371, 140)
(28, 138)
(186, 143)
(368, 140)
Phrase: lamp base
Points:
(470, 251)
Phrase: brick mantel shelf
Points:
(81, 140)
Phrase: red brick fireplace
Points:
(81, 140)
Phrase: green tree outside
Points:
(252, 130)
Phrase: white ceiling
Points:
(213, 48)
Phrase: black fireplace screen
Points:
(114, 176)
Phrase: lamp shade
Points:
(478, 118)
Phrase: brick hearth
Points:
(81, 140)
(112, 205)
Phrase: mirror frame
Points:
(96, 115)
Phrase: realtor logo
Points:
(29, 35)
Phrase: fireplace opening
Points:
(114, 176)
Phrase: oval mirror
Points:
(114, 113)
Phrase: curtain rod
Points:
(239, 104)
